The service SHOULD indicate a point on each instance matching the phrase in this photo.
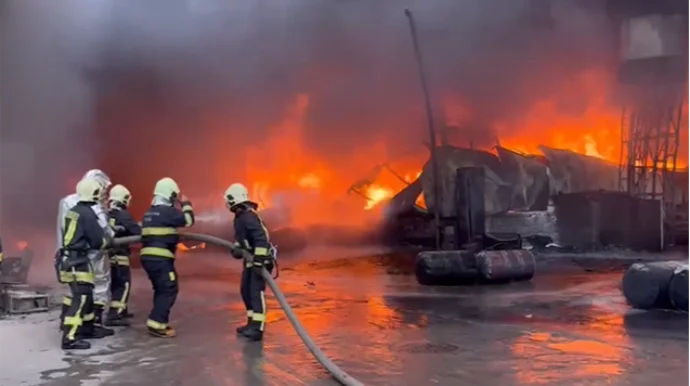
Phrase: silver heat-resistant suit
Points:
(98, 258)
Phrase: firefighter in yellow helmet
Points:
(81, 235)
(121, 278)
(99, 262)
(251, 236)
(159, 241)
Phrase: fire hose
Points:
(341, 376)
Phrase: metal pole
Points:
(432, 132)
(398, 176)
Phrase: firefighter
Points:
(252, 237)
(99, 262)
(81, 235)
(121, 279)
(159, 241)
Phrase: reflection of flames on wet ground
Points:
(334, 306)
(599, 348)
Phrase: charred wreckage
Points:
(481, 204)
(558, 198)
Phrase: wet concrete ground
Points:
(566, 327)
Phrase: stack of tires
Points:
(463, 267)
(657, 285)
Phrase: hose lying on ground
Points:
(332, 368)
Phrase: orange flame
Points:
(310, 181)
(183, 248)
(376, 194)
(577, 116)
(22, 245)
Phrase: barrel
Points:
(678, 289)
(647, 285)
(506, 265)
(446, 268)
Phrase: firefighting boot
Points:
(167, 332)
(98, 323)
(89, 331)
(116, 319)
(74, 344)
(98, 314)
(240, 329)
(253, 332)
(100, 330)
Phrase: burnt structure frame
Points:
(653, 91)
(650, 135)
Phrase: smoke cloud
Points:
(179, 88)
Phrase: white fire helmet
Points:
(99, 176)
(89, 190)
(167, 188)
(120, 194)
(236, 194)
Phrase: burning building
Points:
(299, 100)
(512, 182)
(652, 84)
(309, 144)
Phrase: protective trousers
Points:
(161, 272)
(101, 271)
(120, 285)
(79, 313)
(252, 289)
(101, 292)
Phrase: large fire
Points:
(561, 120)
(284, 168)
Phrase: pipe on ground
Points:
(337, 373)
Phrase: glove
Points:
(119, 228)
(237, 253)
(58, 265)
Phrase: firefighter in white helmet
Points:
(121, 278)
(159, 241)
(99, 261)
(251, 236)
(81, 236)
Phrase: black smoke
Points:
(142, 89)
